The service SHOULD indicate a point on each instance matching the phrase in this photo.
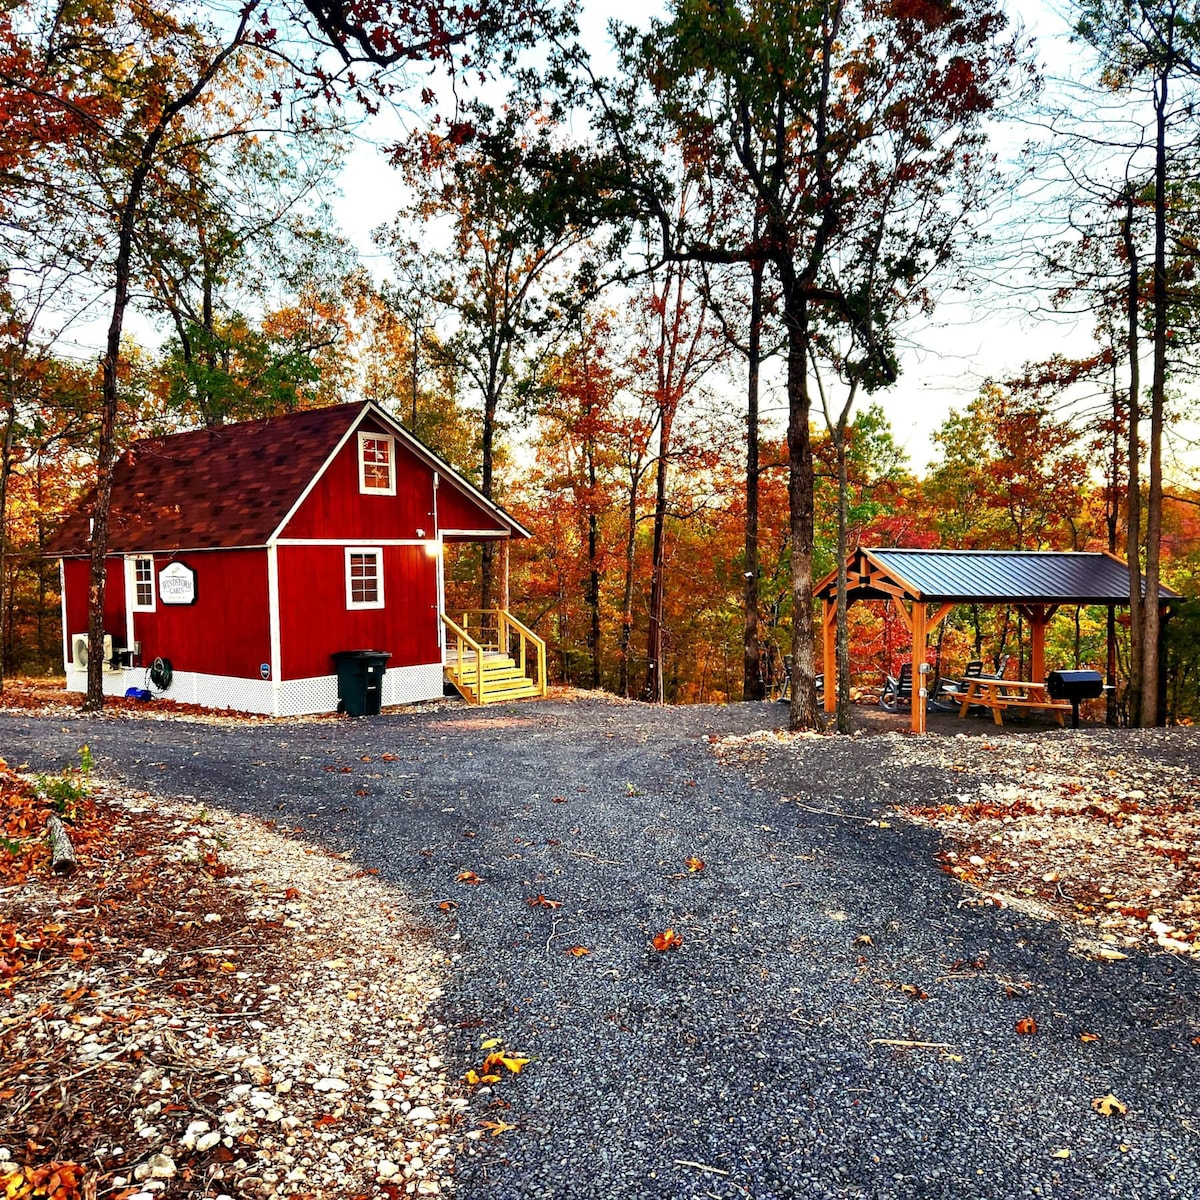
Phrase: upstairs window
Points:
(364, 577)
(141, 581)
(376, 464)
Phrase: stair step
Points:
(517, 693)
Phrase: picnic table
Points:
(999, 694)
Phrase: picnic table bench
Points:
(999, 694)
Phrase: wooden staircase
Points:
(498, 659)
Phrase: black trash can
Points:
(360, 681)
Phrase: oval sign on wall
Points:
(177, 584)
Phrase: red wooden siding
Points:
(75, 579)
(335, 508)
(456, 511)
(227, 631)
(314, 620)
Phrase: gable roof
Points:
(231, 486)
(987, 577)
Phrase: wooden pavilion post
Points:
(504, 573)
(920, 646)
(1038, 616)
(829, 632)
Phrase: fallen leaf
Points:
(540, 901)
(1027, 1026)
(863, 939)
(468, 877)
(496, 1128)
(694, 864)
(1063, 1153)
(1107, 955)
(558, 799)
(1094, 1037)
(667, 940)
(490, 1043)
(910, 989)
(577, 951)
(448, 905)
(1109, 1106)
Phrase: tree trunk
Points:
(6, 459)
(488, 440)
(1133, 494)
(107, 444)
(804, 713)
(752, 680)
(62, 853)
(1151, 617)
(842, 641)
(593, 596)
(654, 689)
(627, 591)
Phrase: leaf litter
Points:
(210, 1008)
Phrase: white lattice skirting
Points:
(289, 698)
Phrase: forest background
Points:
(608, 297)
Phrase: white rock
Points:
(208, 1140)
(385, 1169)
(421, 1113)
(328, 1084)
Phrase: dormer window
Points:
(376, 464)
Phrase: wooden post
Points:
(1037, 643)
(504, 572)
(919, 649)
(829, 629)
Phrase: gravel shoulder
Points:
(840, 1018)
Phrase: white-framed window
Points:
(377, 464)
(364, 577)
(141, 582)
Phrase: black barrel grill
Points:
(1075, 686)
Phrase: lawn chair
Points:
(897, 692)
(1001, 666)
(948, 693)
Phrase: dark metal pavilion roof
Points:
(986, 577)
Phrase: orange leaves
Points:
(55, 1181)
(1095, 1037)
(1027, 1026)
(695, 865)
(540, 901)
(577, 951)
(667, 940)
(492, 1069)
(468, 877)
(913, 992)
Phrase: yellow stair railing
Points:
(514, 648)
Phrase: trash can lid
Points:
(362, 654)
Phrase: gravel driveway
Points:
(765, 1056)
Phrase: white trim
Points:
(441, 597)
(62, 598)
(351, 542)
(273, 614)
(377, 552)
(474, 533)
(390, 490)
(131, 604)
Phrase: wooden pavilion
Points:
(924, 585)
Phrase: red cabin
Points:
(247, 555)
